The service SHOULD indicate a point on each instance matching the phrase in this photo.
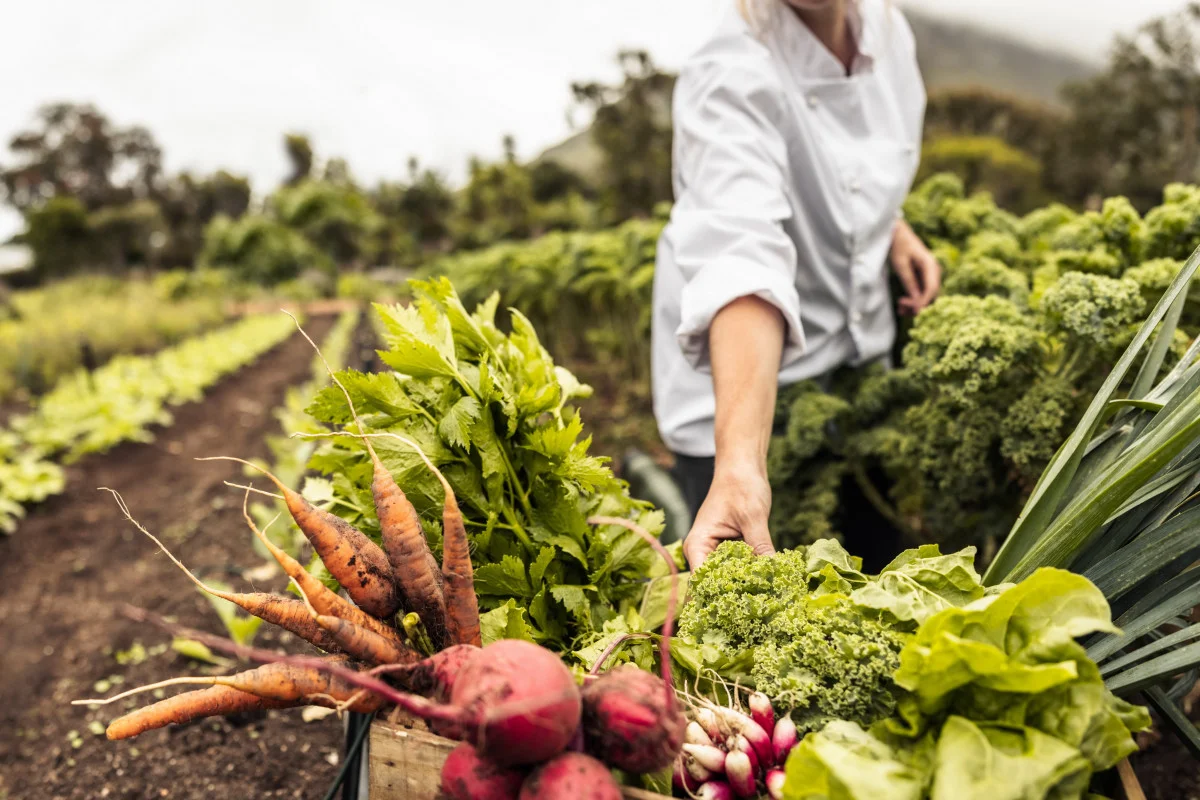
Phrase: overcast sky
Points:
(219, 81)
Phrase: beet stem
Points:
(669, 623)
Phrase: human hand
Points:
(917, 268)
(737, 507)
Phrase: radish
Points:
(630, 723)
(682, 779)
(738, 723)
(762, 712)
(786, 737)
(631, 720)
(715, 790)
(711, 758)
(695, 734)
(775, 780)
(740, 744)
(466, 776)
(571, 775)
(740, 774)
(694, 769)
(708, 720)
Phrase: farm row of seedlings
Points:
(92, 411)
(480, 571)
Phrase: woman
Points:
(797, 136)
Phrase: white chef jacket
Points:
(788, 178)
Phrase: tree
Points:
(58, 234)
(189, 203)
(75, 151)
(1136, 126)
(631, 125)
(497, 202)
(300, 154)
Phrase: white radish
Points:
(715, 790)
(741, 744)
(786, 737)
(740, 774)
(762, 712)
(775, 780)
(695, 769)
(739, 723)
(708, 720)
(682, 779)
(695, 734)
(711, 758)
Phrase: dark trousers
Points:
(694, 475)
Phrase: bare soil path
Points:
(74, 562)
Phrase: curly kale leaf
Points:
(813, 650)
(981, 276)
(1091, 311)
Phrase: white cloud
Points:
(375, 81)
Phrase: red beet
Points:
(466, 776)
(571, 776)
(519, 702)
(630, 722)
(434, 677)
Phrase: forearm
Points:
(745, 348)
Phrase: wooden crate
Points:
(406, 763)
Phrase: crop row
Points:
(90, 412)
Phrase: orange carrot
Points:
(323, 599)
(462, 606)
(413, 565)
(288, 613)
(210, 702)
(358, 564)
(280, 682)
(366, 645)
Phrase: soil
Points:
(75, 561)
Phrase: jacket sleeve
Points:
(727, 231)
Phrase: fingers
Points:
(697, 548)
(931, 277)
(758, 536)
(908, 279)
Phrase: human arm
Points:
(745, 346)
(917, 268)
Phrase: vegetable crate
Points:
(405, 763)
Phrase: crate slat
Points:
(406, 764)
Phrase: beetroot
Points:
(466, 776)
(571, 776)
(630, 723)
(519, 703)
(434, 677)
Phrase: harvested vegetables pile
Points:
(919, 681)
(515, 705)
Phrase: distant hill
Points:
(951, 54)
(958, 54)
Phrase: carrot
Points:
(210, 702)
(413, 565)
(461, 604)
(366, 645)
(323, 599)
(515, 702)
(358, 564)
(279, 682)
(287, 613)
(361, 643)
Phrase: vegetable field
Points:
(222, 541)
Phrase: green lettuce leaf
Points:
(998, 762)
(845, 762)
